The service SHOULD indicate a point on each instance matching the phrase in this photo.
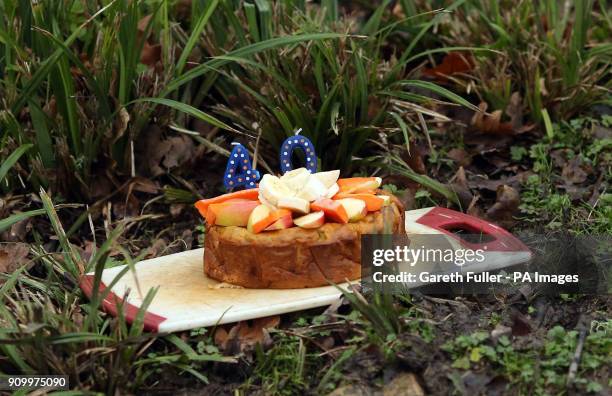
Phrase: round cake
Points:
(298, 230)
(295, 257)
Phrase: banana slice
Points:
(271, 189)
(295, 179)
(328, 178)
(333, 190)
(312, 190)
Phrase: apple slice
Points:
(260, 219)
(373, 202)
(210, 216)
(355, 208)
(328, 178)
(249, 194)
(333, 190)
(359, 184)
(311, 220)
(231, 213)
(333, 209)
(294, 204)
(283, 219)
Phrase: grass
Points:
(538, 370)
(47, 327)
(555, 56)
(544, 199)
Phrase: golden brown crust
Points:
(294, 257)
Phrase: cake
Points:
(299, 230)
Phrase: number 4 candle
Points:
(238, 171)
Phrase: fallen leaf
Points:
(514, 110)
(19, 230)
(145, 185)
(150, 54)
(573, 173)
(460, 156)
(459, 185)
(351, 390)
(506, 205)
(520, 324)
(403, 384)
(13, 256)
(121, 123)
(156, 154)
(414, 158)
(244, 336)
(178, 149)
(491, 122)
(143, 23)
(452, 63)
(515, 181)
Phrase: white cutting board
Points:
(187, 299)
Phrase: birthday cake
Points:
(299, 230)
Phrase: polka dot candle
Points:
(290, 144)
(238, 171)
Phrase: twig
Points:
(573, 368)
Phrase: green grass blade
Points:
(187, 109)
(9, 221)
(73, 260)
(12, 159)
(403, 128)
(440, 91)
(195, 34)
(43, 137)
(400, 167)
(244, 52)
(550, 133)
(46, 66)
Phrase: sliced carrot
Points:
(373, 202)
(249, 194)
(333, 210)
(358, 184)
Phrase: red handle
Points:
(495, 237)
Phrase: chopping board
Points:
(186, 298)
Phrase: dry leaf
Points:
(573, 173)
(459, 185)
(491, 123)
(243, 336)
(514, 110)
(505, 207)
(150, 54)
(453, 63)
(13, 256)
(520, 324)
(460, 156)
(145, 185)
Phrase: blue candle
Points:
(290, 144)
(238, 171)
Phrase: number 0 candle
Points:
(290, 144)
(238, 171)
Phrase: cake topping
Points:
(299, 198)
